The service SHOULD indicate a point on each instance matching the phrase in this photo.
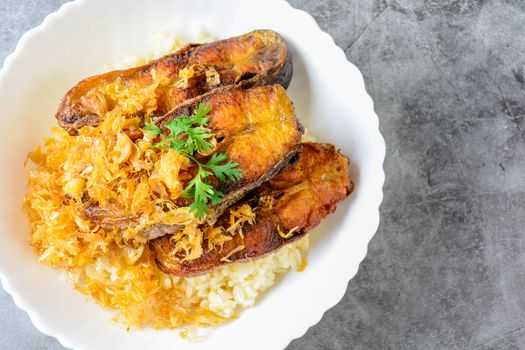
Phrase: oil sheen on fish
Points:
(286, 207)
(256, 127)
(259, 57)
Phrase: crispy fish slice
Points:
(256, 127)
(260, 57)
(287, 207)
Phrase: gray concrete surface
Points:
(446, 269)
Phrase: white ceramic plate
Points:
(82, 39)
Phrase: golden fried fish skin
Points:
(259, 57)
(300, 196)
(256, 127)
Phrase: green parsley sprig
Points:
(188, 135)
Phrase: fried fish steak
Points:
(286, 207)
(259, 57)
(256, 127)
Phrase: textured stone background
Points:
(446, 269)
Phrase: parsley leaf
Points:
(190, 134)
(223, 171)
(202, 110)
(153, 129)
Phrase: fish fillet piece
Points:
(259, 57)
(256, 127)
(286, 207)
